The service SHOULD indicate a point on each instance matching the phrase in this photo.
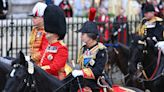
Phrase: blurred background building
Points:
(21, 8)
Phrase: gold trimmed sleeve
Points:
(67, 69)
(87, 73)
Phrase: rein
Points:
(64, 84)
(157, 65)
(158, 62)
(115, 46)
(158, 76)
(156, 68)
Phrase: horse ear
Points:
(22, 58)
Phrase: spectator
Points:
(3, 8)
(87, 5)
(120, 27)
(78, 8)
(104, 30)
(104, 3)
(158, 8)
(67, 8)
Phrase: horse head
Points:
(138, 50)
(118, 54)
(28, 77)
(141, 51)
(17, 76)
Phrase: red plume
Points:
(92, 13)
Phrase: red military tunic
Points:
(104, 30)
(122, 28)
(38, 43)
(55, 56)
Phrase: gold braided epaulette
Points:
(101, 46)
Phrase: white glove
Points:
(27, 58)
(160, 45)
(76, 73)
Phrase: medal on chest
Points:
(88, 58)
(50, 57)
(52, 49)
(150, 25)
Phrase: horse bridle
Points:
(29, 80)
(156, 68)
(117, 53)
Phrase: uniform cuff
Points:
(87, 73)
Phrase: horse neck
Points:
(150, 61)
(122, 61)
(46, 81)
(125, 50)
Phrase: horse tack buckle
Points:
(139, 66)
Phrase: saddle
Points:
(103, 82)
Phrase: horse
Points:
(146, 64)
(28, 77)
(118, 55)
(4, 70)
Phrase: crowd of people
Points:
(118, 26)
(81, 7)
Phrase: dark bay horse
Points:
(118, 55)
(147, 64)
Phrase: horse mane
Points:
(5, 67)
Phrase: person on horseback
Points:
(56, 54)
(92, 58)
(151, 26)
(38, 41)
